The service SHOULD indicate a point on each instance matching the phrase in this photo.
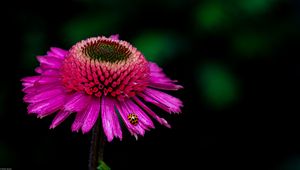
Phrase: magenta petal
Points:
(47, 80)
(80, 116)
(34, 89)
(151, 113)
(58, 52)
(49, 62)
(38, 70)
(26, 86)
(154, 68)
(79, 119)
(48, 71)
(41, 79)
(51, 72)
(77, 102)
(159, 80)
(47, 107)
(43, 95)
(144, 121)
(60, 117)
(114, 37)
(110, 121)
(92, 113)
(162, 100)
(125, 110)
(164, 86)
(30, 79)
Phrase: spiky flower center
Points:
(103, 66)
(105, 50)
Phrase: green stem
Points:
(97, 146)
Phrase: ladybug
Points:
(133, 119)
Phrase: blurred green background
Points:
(237, 61)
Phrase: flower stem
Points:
(97, 146)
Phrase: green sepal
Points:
(103, 166)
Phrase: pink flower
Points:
(100, 77)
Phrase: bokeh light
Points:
(89, 25)
(213, 15)
(158, 46)
(217, 85)
(256, 6)
(251, 44)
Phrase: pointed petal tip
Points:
(23, 79)
(114, 37)
(40, 117)
(163, 121)
(39, 57)
(52, 126)
(74, 130)
(30, 113)
(58, 50)
(136, 136)
(85, 130)
(30, 79)
(109, 139)
(175, 111)
(179, 87)
(55, 48)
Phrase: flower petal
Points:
(43, 95)
(143, 119)
(92, 113)
(40, 88)
(78, 122)
(60, 117)
(49, 62)
(159, 80)
(37, 80)
(81, 115)
(38, 70)
(30, 79)
(51, 72)
(163, 86)
(151, 113)
(77, 102)
(125, 109)
(47, 107)
(26, 86)
(57, 52)
(114, 37)
(110, 121)
(162, 100)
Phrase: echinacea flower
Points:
(104, 78)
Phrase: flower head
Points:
(104, 78)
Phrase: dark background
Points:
(237, 60)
